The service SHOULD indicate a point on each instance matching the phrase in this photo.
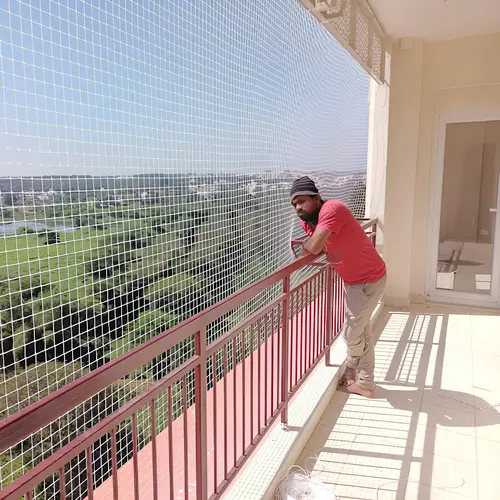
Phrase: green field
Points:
(60, 264)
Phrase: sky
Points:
(122, 87)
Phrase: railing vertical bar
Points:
(171, 465)
(284, 350)
(29, 495)
(62, 484)
(338, 306)
(314, 285)
(317, 316)
(291, 351)
(310, 329)
(279, 355)
(329, 292)
(322, 310)
(226, 369)
(215, 423)
(114, 464)
(185, 437)
(252, 381)
(135, 458)
(314, 329)
(333, 286)
(305, 328)
(341, 306)
(244, 389)
(154, 449)
(297, 350)
(328, 297)
(266, 361)
(201, 414)
(333, 316)
(90, 473)
(235, 406)
(260, 392)
(272, 364)
(303, 332)
(335, 310)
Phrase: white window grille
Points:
(355, 26)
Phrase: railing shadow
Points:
(385, 447)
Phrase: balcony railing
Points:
(202, 419)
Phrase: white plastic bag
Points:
(300, 486)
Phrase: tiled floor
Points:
(433, 429)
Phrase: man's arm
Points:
(316, 243)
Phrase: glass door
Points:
(467, 262)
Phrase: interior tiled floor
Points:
(433, 429)
(465, 267)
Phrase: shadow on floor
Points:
(454, 406)
(367, 448)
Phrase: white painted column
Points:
(402, 154)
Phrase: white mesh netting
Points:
(146, 153)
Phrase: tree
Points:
(7, 200)
(175, 294)
(7, 361)
(51, 237)
(25, 230)
(146, 326)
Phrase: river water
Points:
(9, 228)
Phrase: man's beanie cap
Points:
(304, 186)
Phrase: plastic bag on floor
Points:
(302, 486)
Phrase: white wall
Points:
(426, 78)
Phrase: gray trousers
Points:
(361, 301)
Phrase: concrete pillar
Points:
(402, 154)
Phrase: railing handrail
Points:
(53, 406)
(367, 222)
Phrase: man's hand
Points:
(317, 242)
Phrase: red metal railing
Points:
(188, 433)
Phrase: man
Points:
(331, 227)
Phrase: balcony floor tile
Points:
(433, 429)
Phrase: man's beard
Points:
(311, 219)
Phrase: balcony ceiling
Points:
(437, 19)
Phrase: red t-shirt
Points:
(348, 248)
